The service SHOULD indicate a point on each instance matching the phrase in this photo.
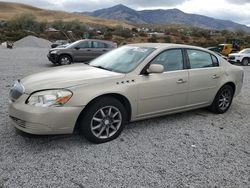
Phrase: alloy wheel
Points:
(245, 61)
(65, 61)
(106, 122)
(225, 99)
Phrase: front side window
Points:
(199, 59)
(85, 44)
(79, 44)
(171, 60)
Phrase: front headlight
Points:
(49, 98)
(53, 52)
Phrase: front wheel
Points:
(64, 60)
(104, 120)
(222, 100)
(245, 61)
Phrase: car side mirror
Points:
(155, 68)
(77, 48)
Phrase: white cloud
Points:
(238, 1)
(223, 10)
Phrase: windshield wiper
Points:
(101, 67)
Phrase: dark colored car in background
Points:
(80, 51)
(59, 43)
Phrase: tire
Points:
(64, 60)
(222, 100)
(245, 61)
(103, 120)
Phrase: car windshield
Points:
(123, 59)
(72, 45)
(220, 47)
(245, 51)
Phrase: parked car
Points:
(63, 45)
(242, 57)
(131, 83)
(226, 49)
(59, 43)
(214, 49)
(80, 51)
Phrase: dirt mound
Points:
(32, 41)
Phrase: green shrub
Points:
(152, 39)
(167, 39)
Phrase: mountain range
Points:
(9, 10)
(164, 16)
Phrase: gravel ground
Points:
(191, 149)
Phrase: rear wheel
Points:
(103, 120)
(245, 61)
(222, 100)
(64, 60)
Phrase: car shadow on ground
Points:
(45, 139)
(49, 65)
(77, 139)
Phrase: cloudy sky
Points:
(235, 10)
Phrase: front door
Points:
(163, 92)
(83, 51)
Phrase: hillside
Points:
(169, 16)
(119, 12)
(8, 10)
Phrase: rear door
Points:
(204, 77)
(99, 48)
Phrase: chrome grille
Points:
(19, 122)
(16, 91)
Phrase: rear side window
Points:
(99, 45)
(199, 59)
(215, 61)
(171, 60)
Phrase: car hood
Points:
(235, 54)
(59, 48)
(67, 76)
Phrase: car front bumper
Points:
(53, 58)
(43, 120)
(234, 59)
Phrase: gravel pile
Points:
(191, 149)
(32, 41)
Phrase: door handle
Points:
(215, 76)
(181, 81)
(88, 50)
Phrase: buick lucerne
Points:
(130, 83)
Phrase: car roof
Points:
(97, 40)
(165, 45)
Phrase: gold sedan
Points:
(133, 82)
